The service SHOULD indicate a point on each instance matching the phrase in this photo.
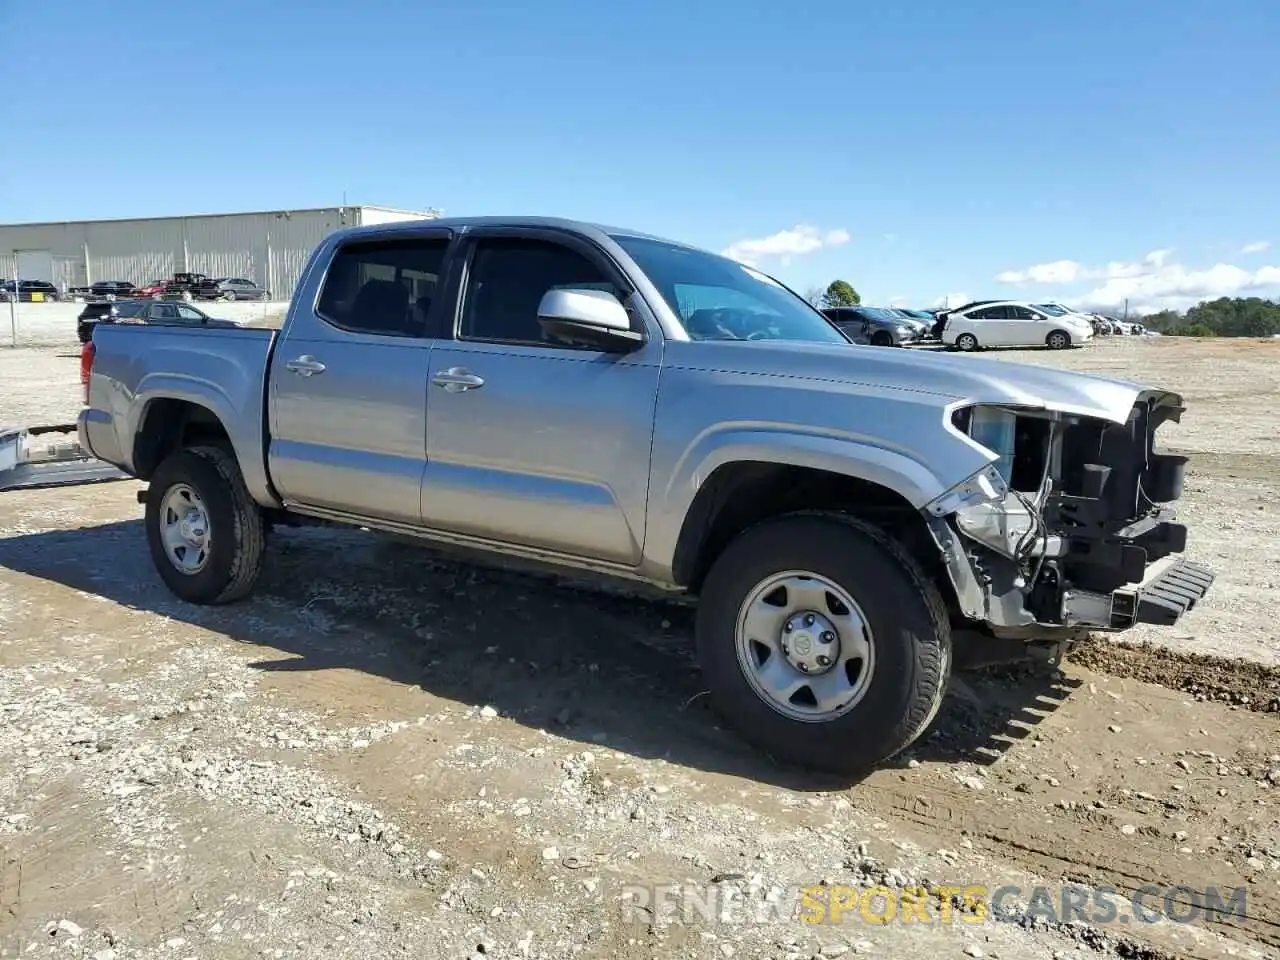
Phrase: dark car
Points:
(143, 311)
(883, 327)
(31, 291)
(112, 289)
(184, 285)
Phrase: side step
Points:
(30, 465)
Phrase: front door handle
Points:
(457, 379)
(305, 366)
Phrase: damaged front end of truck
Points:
(1069, 530)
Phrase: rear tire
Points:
(882, 339)
(1058, 340)
(967, 342)
(224, 538)
(898, 620)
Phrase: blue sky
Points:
(923, 148)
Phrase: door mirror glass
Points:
(590, 317)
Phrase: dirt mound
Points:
(1238, 682)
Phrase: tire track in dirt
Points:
(1075, 853)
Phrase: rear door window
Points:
(383, 287)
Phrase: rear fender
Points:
(243, 425)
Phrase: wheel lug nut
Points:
(824, 661)
(808, 619)
(804, 668)
(827, 637)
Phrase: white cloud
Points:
(1155, 282)
(1059, 271)
(785, 244)
(1261, 246)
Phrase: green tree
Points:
(1223, 317)
(840, 293)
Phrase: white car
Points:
(1013, 323)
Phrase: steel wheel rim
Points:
(184, 529)
(774, 636)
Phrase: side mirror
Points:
(593, 318)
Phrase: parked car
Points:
(142, 311)
(882, 327)
(32, 291)
(613, 403)
(153, 289)
(183, 285)
(1010, 323)
(231, 288)
(112, 289)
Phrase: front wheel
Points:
(882, 338)
(823, 642)
(205, 532)
(1058, 340)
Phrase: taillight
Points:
(86, 366)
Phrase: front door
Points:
(531, 441)
(349, 381)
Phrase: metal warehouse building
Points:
(269, 247)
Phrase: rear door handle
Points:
(305, 366)
(457, 379)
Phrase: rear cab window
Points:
(383, 287)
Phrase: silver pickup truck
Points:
(603, 400)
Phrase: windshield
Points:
(716, 298)
(1050, 309)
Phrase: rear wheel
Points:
(1058, 340)
(967, 342)
(882, 338)
(204, 530)
(822, 642)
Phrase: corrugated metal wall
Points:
(269, 248)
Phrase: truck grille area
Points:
(1110, 504)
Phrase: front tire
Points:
(1058, 340)
(823, 642)
(882, 339)
(205, 532)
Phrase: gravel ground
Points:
(389, 753)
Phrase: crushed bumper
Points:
(1171, 587)
(1163, 598)
(27, 464)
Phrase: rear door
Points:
(546, 444)
(990, 326)
(348, 380)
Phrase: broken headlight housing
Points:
(999, 506)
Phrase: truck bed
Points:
(223, 369)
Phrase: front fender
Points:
(870, 459)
